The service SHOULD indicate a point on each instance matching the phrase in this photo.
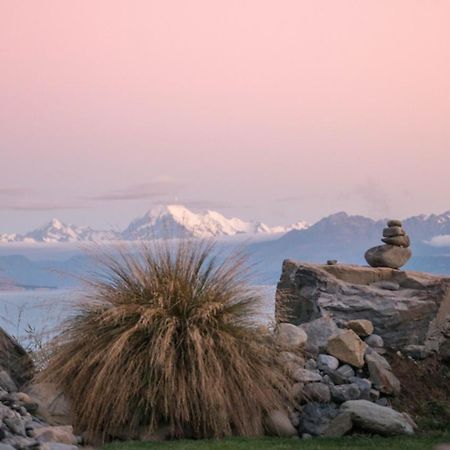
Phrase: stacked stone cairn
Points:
(37, 419)
(395, 252)
(341, 381)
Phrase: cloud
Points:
(160, 187)
(442, 240)
(44, 206)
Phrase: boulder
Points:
(345, 392)
(53, 406)
(377, 419)
(317, 392)
(290, 337)
(279, 424)
(318, 332)
(361, 327)
(62, 434)
(394, 223)
(381, 374)
(386, 255)
(347, 347)
(418, 313)
(339, 426)
(374, 341)
(15, 360)
(306, 376)
(327, 362)
(315, 417)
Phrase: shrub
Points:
(168, 338)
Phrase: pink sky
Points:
(272, 110)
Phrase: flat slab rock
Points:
(417, 313)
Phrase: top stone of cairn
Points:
(394, 223)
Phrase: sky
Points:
(263, 109)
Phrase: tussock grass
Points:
(168, 338)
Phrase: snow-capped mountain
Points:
(57, 231)
(158, 222)
(177, 220)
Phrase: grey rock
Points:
(15, 359)
(327, 362)
(386, 285)
(345, 392)
(346, 371)
(381, 374)
(306, 376)
(317, 392)
(394, 223)
(416, 314)
(339, 426)
(400, 241)
(393, 232)
(377, 419)
(6, 382)
(16, 425)
(316, 417)
(318, 332)
(364, 386)
(306, 436)
(374, 341)
(389, 256)
(6, 447)
(332, 262)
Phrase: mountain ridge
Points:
(158, 222)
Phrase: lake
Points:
(39, 313)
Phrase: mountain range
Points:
(158, 222)
(339, 236)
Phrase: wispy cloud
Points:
(41, 206)
(158, 188)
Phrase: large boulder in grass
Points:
(405, 308)
(15, 362)
(378, 419)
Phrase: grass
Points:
(345, 443)
(168, 340)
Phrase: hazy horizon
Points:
(256, 109)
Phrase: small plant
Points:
(168, 338)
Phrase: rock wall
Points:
(409, 310)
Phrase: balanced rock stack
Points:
(395, 252)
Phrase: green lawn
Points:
(348, 443)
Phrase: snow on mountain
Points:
(158, 222)
(5, 237)
(177, 220)
(57, 231)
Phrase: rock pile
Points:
(342, 381)
(22, 424)
(395, 252)
(409, 310)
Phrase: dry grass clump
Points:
(168, 338)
